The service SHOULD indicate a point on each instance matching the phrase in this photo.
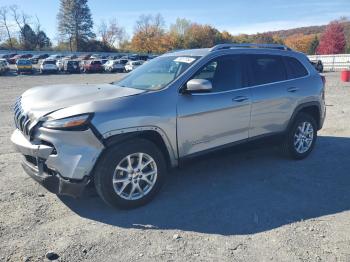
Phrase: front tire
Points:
(301, 137)
(130, 174)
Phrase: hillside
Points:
(308, 30)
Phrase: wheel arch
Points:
(311, 108)
(153, 134)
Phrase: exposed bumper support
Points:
(59, 160)
(55, 183)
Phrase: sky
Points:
(235, 16)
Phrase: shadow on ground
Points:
(240, 191)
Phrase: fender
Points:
(300, 107)
(122, 134)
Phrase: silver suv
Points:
(123, 136)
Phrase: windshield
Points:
(157, 73)
(49, 62)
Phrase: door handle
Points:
(239, 99)
(293, 89)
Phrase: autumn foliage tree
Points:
(300, 42)
(199, 36)
(332, 40)
(148, 34)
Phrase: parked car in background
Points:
(71, 57)
(115, 65)
(95, 56)
(104, 60)
(14, 59)
(6, 64)
(24, 66)
(60, 63)
(318, 65)
(48, 66)
(114, 57)
(71, 66)
(131, 65)
(7, 56)
(36, 58)
(55, 57)
(84, 57)
(109, 66)
(93, 66)
(3, 67)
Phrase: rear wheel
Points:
(301, 137)
(130, 174)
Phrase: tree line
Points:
(151, 35)
(19, 31)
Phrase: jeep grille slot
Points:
(21, 119)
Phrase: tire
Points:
(291, 146)
(117, 156)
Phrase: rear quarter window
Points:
(295, 69)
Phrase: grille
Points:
(22, 120)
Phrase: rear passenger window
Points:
(295, 69)
(224, 73)
(267, 69)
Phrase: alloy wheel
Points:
(135, 176)
(303, 137)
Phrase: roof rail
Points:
(269, 46)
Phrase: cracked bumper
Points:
(60, 160)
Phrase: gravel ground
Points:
(244, 204)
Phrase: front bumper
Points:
(53, 182)
(62, 161)
(24, 70)
(51, 70)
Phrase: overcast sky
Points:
(235, 16)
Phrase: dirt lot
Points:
(239, 205)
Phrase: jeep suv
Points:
(123, 136)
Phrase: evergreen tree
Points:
(313, 46)
(75, 22)
(28, 38)
(42, 40)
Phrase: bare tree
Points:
(4, 23)
(111, 34)
(37, 25)
(150, 24)
(19, 17)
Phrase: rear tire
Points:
(123, 179)
(301, 137)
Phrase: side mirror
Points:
(198, 85)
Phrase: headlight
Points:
(79, 122)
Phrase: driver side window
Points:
(224, 73)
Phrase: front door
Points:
(218, 117)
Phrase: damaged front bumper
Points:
(59, 160)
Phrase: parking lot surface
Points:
(245, 204)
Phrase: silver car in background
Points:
(123, 136)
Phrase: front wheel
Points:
(301, 137)
(130, 174)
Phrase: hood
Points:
(39, 101)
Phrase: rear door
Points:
(272, 94)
